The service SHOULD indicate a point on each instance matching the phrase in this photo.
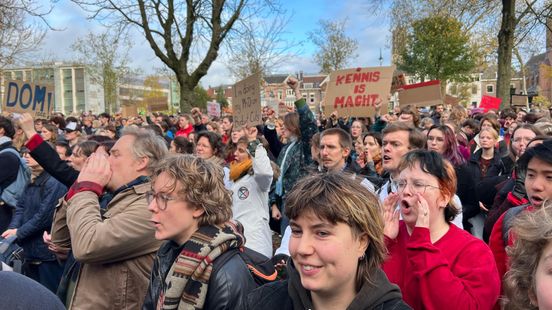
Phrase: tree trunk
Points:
(505, 47)
(186, 98)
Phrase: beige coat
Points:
(116, 253)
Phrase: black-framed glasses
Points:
(161, 199)
(415, 186)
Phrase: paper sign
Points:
(489, 102)
(24, 97)
(519, 100)
(421, 94)
(213, 109)
(354, 92)
(247, 105)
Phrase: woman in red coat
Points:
(436, 265)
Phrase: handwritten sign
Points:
(421, 94)
(24, 97)
(247, 102)
(519, 100)
(355, 92)
(213, 109)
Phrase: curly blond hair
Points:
(533, 231)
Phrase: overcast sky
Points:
(371, 31)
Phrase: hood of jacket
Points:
(370, 296)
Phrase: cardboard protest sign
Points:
(25, 97)
(519, 100)
(489, 102)
(247, 102)
(213, 109)
(354, 92)
(421, 94)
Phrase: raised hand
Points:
(26, 123)
(391, 216)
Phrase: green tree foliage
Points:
(201, 97)
(220, 97)
(335, 48)
(438, 49)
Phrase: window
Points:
(453, 89)
(304, 95)
(490, 88)
(307, 85)
(474, 89)
(280, 95)
(289, 92)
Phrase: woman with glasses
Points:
(437, 265)
(192, 210)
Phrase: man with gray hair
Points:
(106, 217)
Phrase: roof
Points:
(276, 78)
(315, 79)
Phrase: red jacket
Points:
(496, 242)
(456, 272)
(185, 131)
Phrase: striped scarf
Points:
(187, 281)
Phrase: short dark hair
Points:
(345, 139)
(66, 147)
(7, 125)
(105, 114)
(215, 140)
(183, 145)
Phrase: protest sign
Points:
(25, 97)
(213, 109)
(489, 102)
(354, 92)
(247, 102)
(421, 94)
(519, 100)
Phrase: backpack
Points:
(11, 194)
(11, 254)
(261, 267)
(508, 220)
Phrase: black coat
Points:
(49, 159)
(290, 295)
(228, 286)
(470, 181)
(8, 175)
(34, 214)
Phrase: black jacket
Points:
(469, 183)
(8, 175)
(290, 295)
(49, 159)
(228, 286)
(34, 214)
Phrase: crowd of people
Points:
(413, 209)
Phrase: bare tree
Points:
(106, 58)
(260, 46)
(335, 48)
(185, 35)
(18, 36)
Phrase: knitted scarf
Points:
(187, 281)
(237, 170)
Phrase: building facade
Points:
(75, 90)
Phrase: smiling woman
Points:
(336, 250)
